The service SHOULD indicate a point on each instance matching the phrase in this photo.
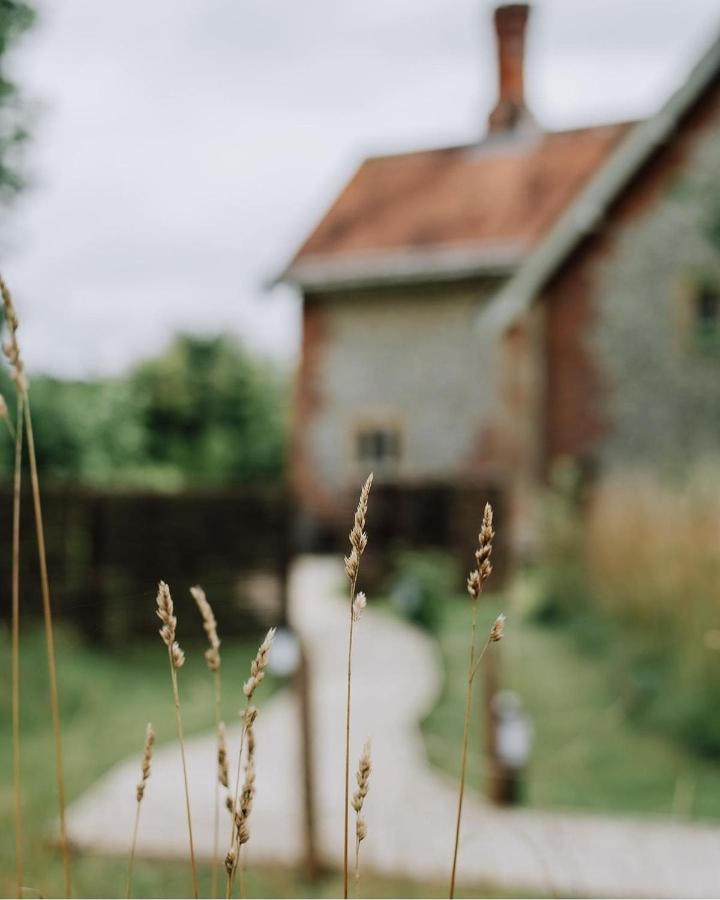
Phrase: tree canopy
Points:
(204, 412)
(15, 17)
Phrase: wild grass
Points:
(633, 566)
(241, 805)
(139, 794)
(90, 676)
(176, 659)
(17, 755)
(475, 583)
(672, 574)
(212, 657)
(358, 542)
(11, 349)
(363, 786)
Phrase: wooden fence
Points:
(444, 516)
(107, 551)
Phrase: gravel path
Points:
(410, 809)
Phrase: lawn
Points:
(587, 755)
(107, 697)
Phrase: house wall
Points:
(413, 357)
(623, 382)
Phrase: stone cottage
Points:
(475, 313)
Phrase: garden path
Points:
(411, 807)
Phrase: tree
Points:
(210, 412)
(202, 413)
(15, 17)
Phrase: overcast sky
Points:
(182, 148)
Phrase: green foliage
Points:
(634, 580)
(102, 724)
(210, 412)
(107, 696)
(587, 686)
(561, 582)
(202, 413)
(421, 585)
(15, 18)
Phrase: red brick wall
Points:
(308, 402)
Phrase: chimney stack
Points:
(510, 110)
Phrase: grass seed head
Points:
(146, 761)
(222, 757)
(362, 778)
(11, 348)
(166, 613)
(358, 538)
(498, 628)
(479, 575)
(178, 657)
(212, 654)
(258, 665)
(359, 604)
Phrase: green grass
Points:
(587, 755)
(107, 697)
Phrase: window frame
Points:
(388, 465)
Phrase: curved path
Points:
(410, 808)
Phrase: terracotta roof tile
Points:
(498, 193)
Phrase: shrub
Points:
(562, 583)
(637, 573)
(421, 584)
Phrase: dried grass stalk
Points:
(222, 758)
(359, 604)
(166, 613)
(212, 658)
(358, 542)
(212, 654)
(363, 785)
(243, 804)
(17, 757)
(139, 794)
(498, 628)
(475, 584)
(257, 674)
(258, 665)
(11, 349)
(5, 416)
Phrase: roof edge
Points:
(589, 208)
(326, 273)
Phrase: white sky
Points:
(183, 148)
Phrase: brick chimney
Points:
(510, 110)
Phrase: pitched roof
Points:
(451, 211)
(601, 191)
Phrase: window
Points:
(708, 310)
(707, 317)
(378, 447)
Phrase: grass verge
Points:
(587, 754)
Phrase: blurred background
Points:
(261, 249)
